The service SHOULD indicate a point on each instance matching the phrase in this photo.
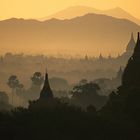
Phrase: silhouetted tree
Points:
(4, 102)
(13, 83)
(83, 82)
(37, 79)
(86, 93)
(20, 90)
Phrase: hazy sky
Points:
(41, 8)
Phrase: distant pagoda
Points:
(86, 57)
(131, 75)
(131, 45)
(127, 98)
(130, 48)
(101, 58)
(110, 57)
(46, 91)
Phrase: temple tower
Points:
(131, 45)
(46, 91)
(131, 75)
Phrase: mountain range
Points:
(76, 11)
(89, 34)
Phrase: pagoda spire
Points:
(138, 36)
(131, 75)
(137, 48)
(46, 91)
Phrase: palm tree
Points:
(37, 81)
(20, 90)
(37, 78)
(13, 83)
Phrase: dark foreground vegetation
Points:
(57, 120)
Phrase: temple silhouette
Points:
(131, 44)
(130, 47)
(126, 99)
(131, 76)
(46, 92)
(46, 96)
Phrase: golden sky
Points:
(42, 8)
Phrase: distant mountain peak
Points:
(76, 11)
(117, 8)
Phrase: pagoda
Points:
(131, 75)
(131, 44)
(46, 91)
